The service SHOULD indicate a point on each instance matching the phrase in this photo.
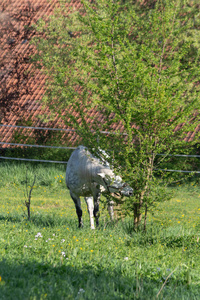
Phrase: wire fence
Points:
(36, 146)
(35, 160)
(72, 148)
(58, 129)
(179, 155)
(177, 171)
(37, 128)
(65, 162)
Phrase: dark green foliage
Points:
(38, 153)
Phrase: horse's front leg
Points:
(96, 207)
(90, 207)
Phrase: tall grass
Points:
(15, 172)
(48, 257)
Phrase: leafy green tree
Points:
(126, 77)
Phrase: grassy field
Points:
(48, 257)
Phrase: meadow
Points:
(48, 257)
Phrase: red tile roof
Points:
(22, 87)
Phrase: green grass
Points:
(48, 257)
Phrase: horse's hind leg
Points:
(110, 207)
(77, 203)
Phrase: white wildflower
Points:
(125, 258)
(38, 235)
(63, 240)
(81, 291)
(63, 253)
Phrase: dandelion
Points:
(92, 250)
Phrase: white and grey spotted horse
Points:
(88, 176)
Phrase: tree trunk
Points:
(137, 214)
(138, 206)
(145, 217)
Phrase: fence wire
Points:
(35, 160)
(36, 146)
(39, 128)
(72, 148)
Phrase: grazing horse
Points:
(88, 176)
